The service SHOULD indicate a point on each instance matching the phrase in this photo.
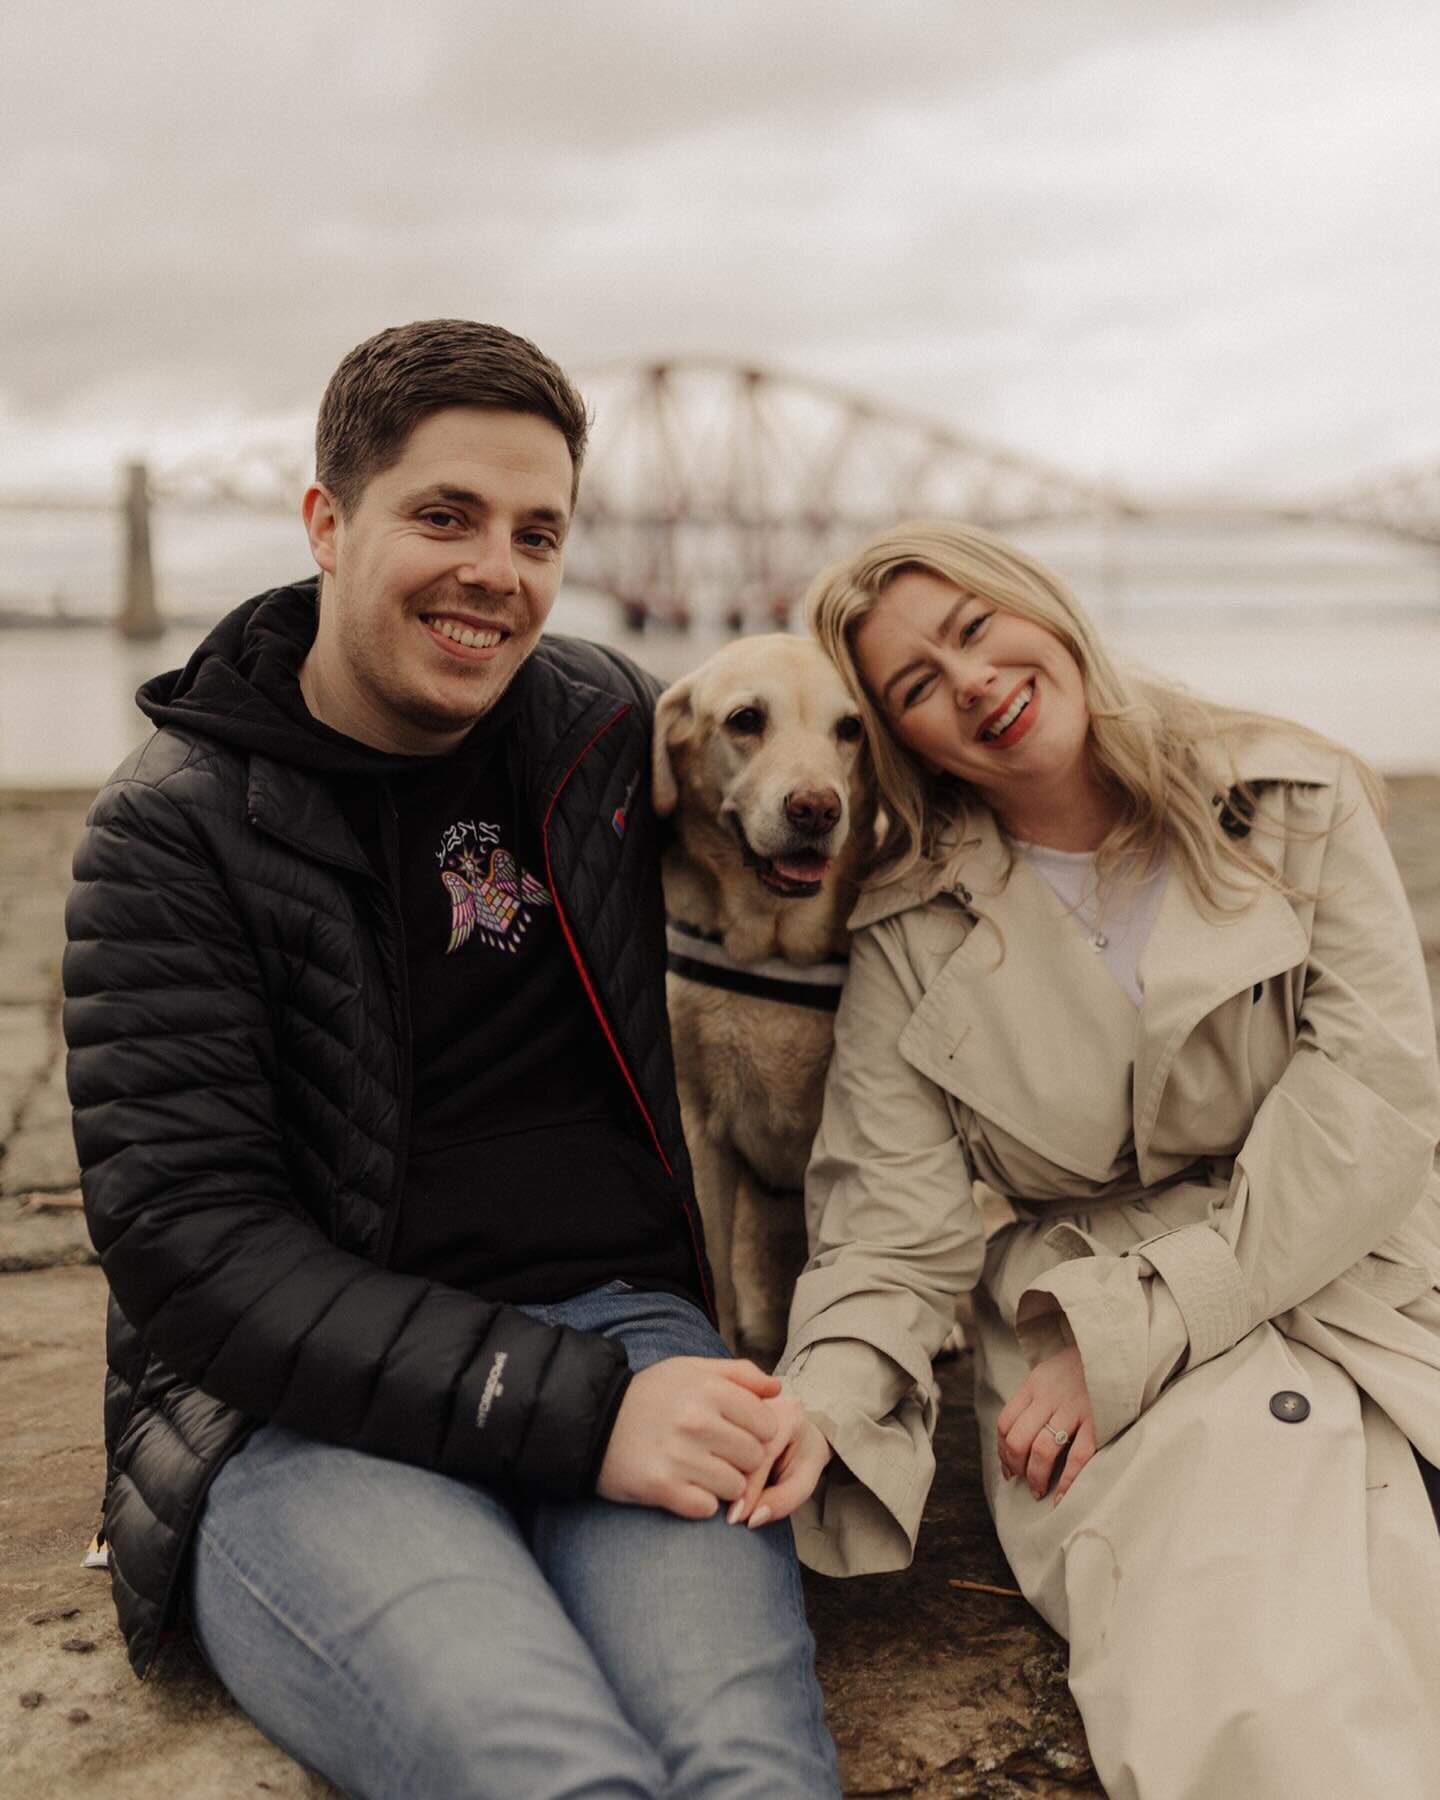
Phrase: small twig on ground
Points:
(986, 1587)
(33, 1203)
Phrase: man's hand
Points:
(786, 1477)
(689, 1430)
(1053, 1398)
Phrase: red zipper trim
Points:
(599, 1010)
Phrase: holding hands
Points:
(794, 1461)
(696, 1432)
(689, 1431)
(1047, 1415)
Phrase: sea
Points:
(1335, 628)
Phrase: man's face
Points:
(439, 581)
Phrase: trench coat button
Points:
(1289, 1407)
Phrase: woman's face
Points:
(977, 692)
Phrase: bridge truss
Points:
(715, 491)
(718, 491)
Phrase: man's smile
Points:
(462, 636)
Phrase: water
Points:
(67, 714)
(67, 707)
(1338, 630)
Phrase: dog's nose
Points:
(812, 809)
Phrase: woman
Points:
(1137, 974)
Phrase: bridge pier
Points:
(139, 616)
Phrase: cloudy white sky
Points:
(1179, 243)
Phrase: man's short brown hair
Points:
(388, 384)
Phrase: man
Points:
(414, 1412)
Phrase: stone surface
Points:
(38, 834)
(177, 1734)
(37, 1235)
(933, 1691)
(26, 1054)
(40, 1151)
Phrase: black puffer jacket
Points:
(236, 1021)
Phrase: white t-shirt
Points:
(1117, 923)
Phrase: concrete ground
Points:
(933, 1689)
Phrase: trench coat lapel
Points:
(1039, 1040)
(1192, 965)
(1024, 1015)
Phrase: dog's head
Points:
(760, 749)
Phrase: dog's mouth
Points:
(797, 875)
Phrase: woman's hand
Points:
(1049, 1413)
(794, 1460)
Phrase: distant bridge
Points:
(720, 490)
(716, 490)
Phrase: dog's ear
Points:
(674, 722)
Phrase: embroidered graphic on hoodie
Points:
(490, 894)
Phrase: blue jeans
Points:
(415, 1637)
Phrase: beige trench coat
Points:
(1227, 1195)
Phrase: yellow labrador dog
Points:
(758, 755)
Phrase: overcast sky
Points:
(1179, 244)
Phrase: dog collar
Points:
(701, 956)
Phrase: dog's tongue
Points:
(807, 866)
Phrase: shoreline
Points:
(68, 716)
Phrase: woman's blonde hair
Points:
(1155, 746)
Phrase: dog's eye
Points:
(848, 729)
(746, 721)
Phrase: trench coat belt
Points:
(1204, 1279)
(1208, 1172)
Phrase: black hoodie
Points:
(530, 1174)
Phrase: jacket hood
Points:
(242, 687)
